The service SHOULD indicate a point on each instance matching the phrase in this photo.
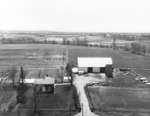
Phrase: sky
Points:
(76, 15)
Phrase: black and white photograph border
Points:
(74, 58)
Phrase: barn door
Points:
(90, 69)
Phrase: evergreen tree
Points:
(22, 75)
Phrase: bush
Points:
(127, 47)
(148, 50)
(138, 48)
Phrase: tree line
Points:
(137, 48)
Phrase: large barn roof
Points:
(94, 61)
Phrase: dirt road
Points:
(80, 82)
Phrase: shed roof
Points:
(94, 61)
(46, 80)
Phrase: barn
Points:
(94, 64)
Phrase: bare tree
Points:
(138, 48)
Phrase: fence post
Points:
(18, 112)
(69, 109)
(82, 109)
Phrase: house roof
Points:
(94, 61)
(40, 81)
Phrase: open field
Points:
(122, 101)
(120, 58)
(36, 56)
(37, 60)
(123, 95)
(50, 56)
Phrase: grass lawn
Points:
(7, 99)
(131, 101)
(120, 96)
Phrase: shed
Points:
(47, 84)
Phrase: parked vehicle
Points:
(80, 72)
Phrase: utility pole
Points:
(34, 95)
(22, 75)
(35, 109)
(114, 43)
(69, 109)
(66, 55)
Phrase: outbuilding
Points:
(46, 84)
(94, 64)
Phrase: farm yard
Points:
(63, 102)
(41, 59)
(45, 56)
(121, 59)
(127, 79)
(37, 61)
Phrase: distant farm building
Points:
(54, 39)
(94, 43)
(94, 64)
